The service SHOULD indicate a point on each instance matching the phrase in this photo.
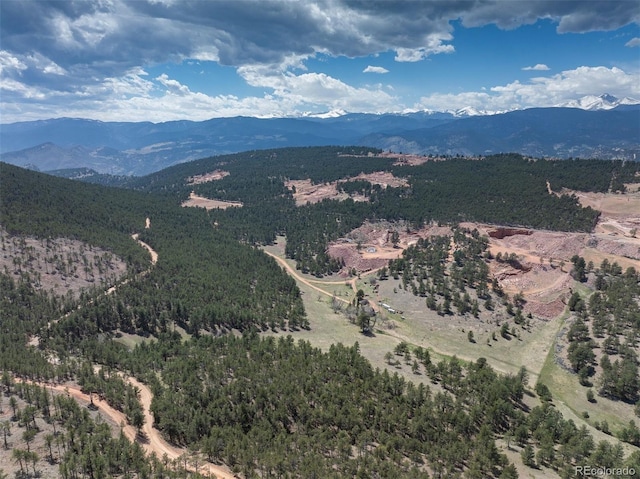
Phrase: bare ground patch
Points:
(60, 265)
(209, 204)
(305, 191)
(544, 256)
(214, 175)
(610, 204)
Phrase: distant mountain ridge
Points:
(120, 148)
(602, 102)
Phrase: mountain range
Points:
(602, 127)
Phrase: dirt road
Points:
(152, 440)
(156, 443)
(154, 255)
(297, 277)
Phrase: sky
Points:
(163, 60)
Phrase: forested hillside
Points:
(204, 278)
(501, 189)
(265, 407)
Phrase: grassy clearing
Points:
(448, 335)
(415, 324)
(328, 327)
(570, 398)
(333, 284)
(130, 340)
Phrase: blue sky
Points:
(161, 60)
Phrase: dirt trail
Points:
(293, 273)
(156, 443)
(152, 440)
(310, 282)
(152, 252)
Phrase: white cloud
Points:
(24, 91)
(317, 90)
(434, 47)
(541, 91)
(135, 97)
(92, 53)
(173, 86)
(538, 67)
(10, 62)
(130, 85)
(634, 42)
(372, 69)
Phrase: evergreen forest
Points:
(211, 320)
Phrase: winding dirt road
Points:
(152, 252)
(152, 440)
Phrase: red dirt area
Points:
(207, 177)
(369, 246)
(541, 272)
(308, 192)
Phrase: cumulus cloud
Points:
(173, 86)
(541, 91)
(10, 62)
(92, 51)
(110, 37)
(634, 42)
(372, 69)
(537, 67)
(317, 90)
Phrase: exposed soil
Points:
(61, 265)
(152, 252)
(46, 468)
(207, 177)
(151, 440)
(308, 192)
(209, 204)
(544, 256)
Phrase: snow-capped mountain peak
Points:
(602, 102)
